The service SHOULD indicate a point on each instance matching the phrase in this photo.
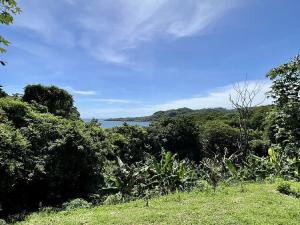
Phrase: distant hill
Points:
(174, 113)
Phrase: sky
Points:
(131, 58)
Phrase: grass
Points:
(257, 203)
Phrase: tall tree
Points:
(58, 101)
(285, 91)
(8, 8)
(243, 101)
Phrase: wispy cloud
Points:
(218, 97)
(80, 92)
(215, 98)
(113, 100)
(126, 24)
(110, 30)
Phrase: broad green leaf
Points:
(231, 167)
(272, 154)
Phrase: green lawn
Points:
(259, 203)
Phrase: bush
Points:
(219, 138)
(284, 188)
(289, 188)
(77, 203)
(259, 147)
(180, 136)
(213, 171)
(113, 199)
(130, 143)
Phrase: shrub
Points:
(180, 136)
(213, 171)
(130, 143)
(259, 147)
(284, 188)
(113, 199)
(289, 188)
(77, 203)
(219, 138)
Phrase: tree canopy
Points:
(58, 101)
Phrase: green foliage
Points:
(77, 203)
(16, 111)
(2, 92)
(130, 143)
(47, 159)
(284, 187)
(8, 8)
(213, 170)
(289, 188)
(230, 166)
(219, 138)
(259, 147)
(113, 199)
(286, 94)
(272, 155)
(197, 115)
(296, 165)
(153, 177)
(180, 136)
(58, 101)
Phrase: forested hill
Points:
(172, 113)
(198, 114)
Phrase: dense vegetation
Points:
(49, 156)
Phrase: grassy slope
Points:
(258, 204)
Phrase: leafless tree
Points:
(243, 100)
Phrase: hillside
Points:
(199, 115)
(258, 203)
(173, 113)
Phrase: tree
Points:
(285, 91)
(45, 158)
(130, 143)
(219, 138)
(243, 102)
(180, 136)
(8, 8)
(58, 101)
(2, 92)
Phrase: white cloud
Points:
(217, 98)
(80, 92)
(214, 98)
(124, 24)
(110, 30)
(113, 100)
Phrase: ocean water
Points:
(111, 124)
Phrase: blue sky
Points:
(131, 57)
